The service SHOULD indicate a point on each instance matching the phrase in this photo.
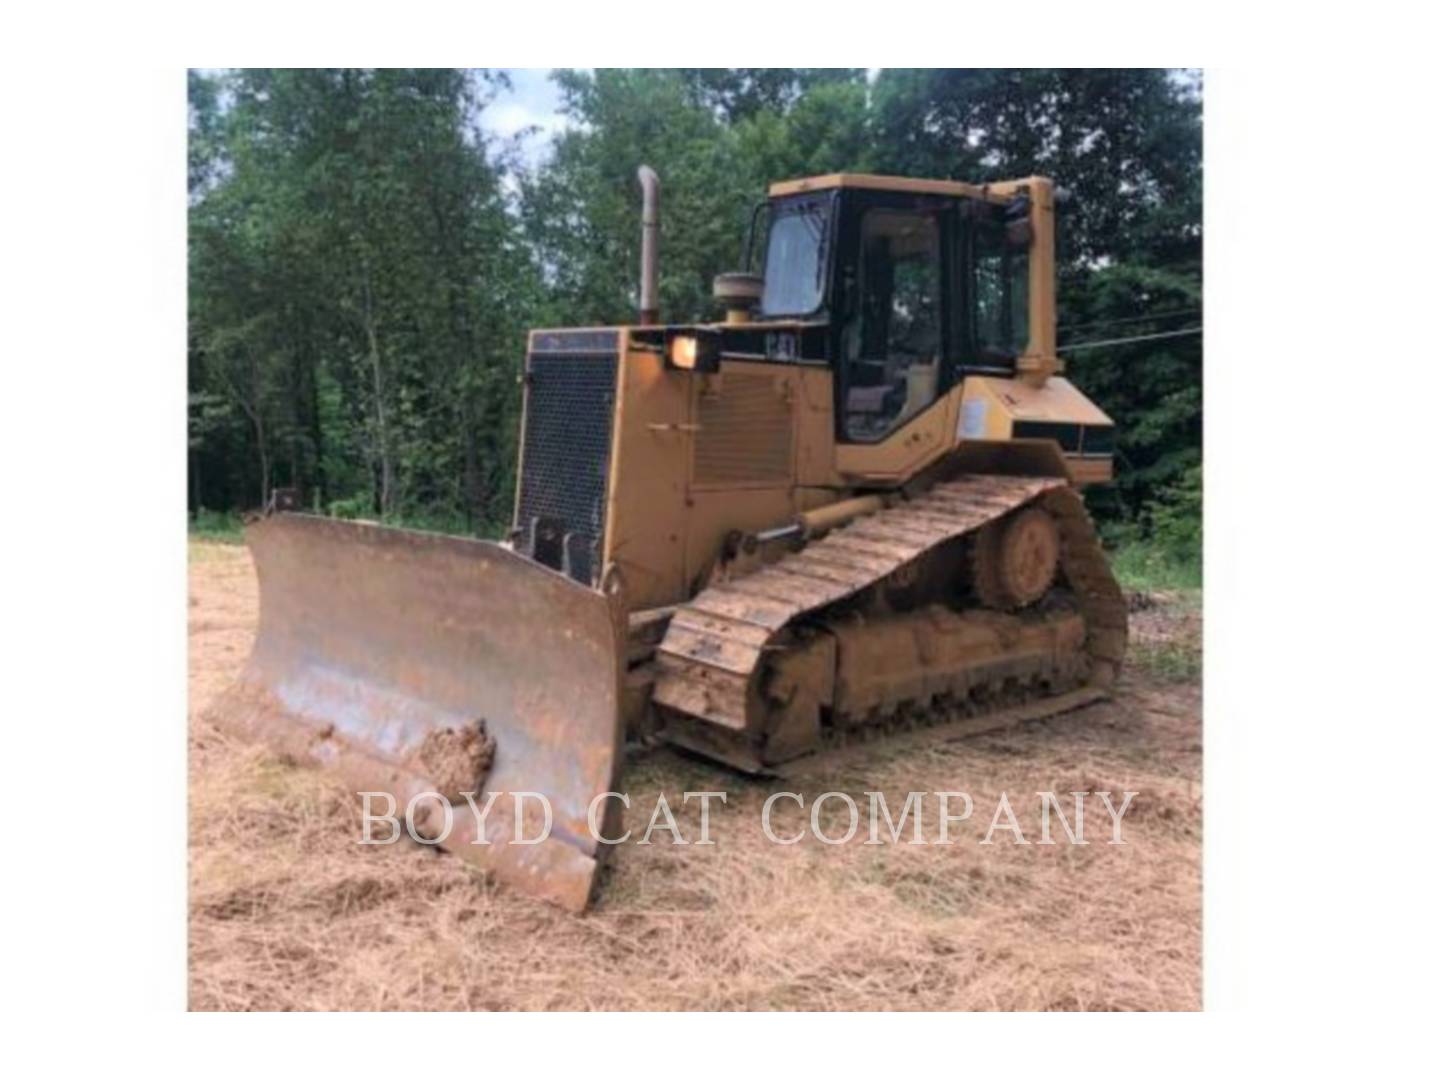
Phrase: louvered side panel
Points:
(746, 432)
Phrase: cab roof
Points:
(997, 192)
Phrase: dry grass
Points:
(287, 912)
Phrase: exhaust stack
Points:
(649, 246)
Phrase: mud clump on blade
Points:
(457, 760)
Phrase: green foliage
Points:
(1175, 517)
(717, 138)
(1161, 546)
(351, 507)
(738, 94)
(582, 211)
(1151, 388)
(359, 293)
(1125, 143)
(1146, 566)
(361, 282)
(216, 526)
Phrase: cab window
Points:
(892, 342)
(1002, 302)
(795, 258)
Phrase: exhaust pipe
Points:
(649, 246)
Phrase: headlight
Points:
(683, 352)
(693, 349)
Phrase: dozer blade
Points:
(416, 662)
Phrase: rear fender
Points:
(997, 457)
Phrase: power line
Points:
(1132, 319)
(1129, 340)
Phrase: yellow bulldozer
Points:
(849, 506)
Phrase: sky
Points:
(532, 101)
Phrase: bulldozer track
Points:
(718, 643)
(918, 727)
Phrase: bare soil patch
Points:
(288, 912)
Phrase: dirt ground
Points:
(288, 912)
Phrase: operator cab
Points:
(902, 286)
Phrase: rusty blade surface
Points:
(375, 642)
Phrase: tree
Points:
(358, 287)
(737, 94)
(1125, 143)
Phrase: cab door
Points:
(895, 341)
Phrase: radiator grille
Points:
(569, 406)
(745, 432)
